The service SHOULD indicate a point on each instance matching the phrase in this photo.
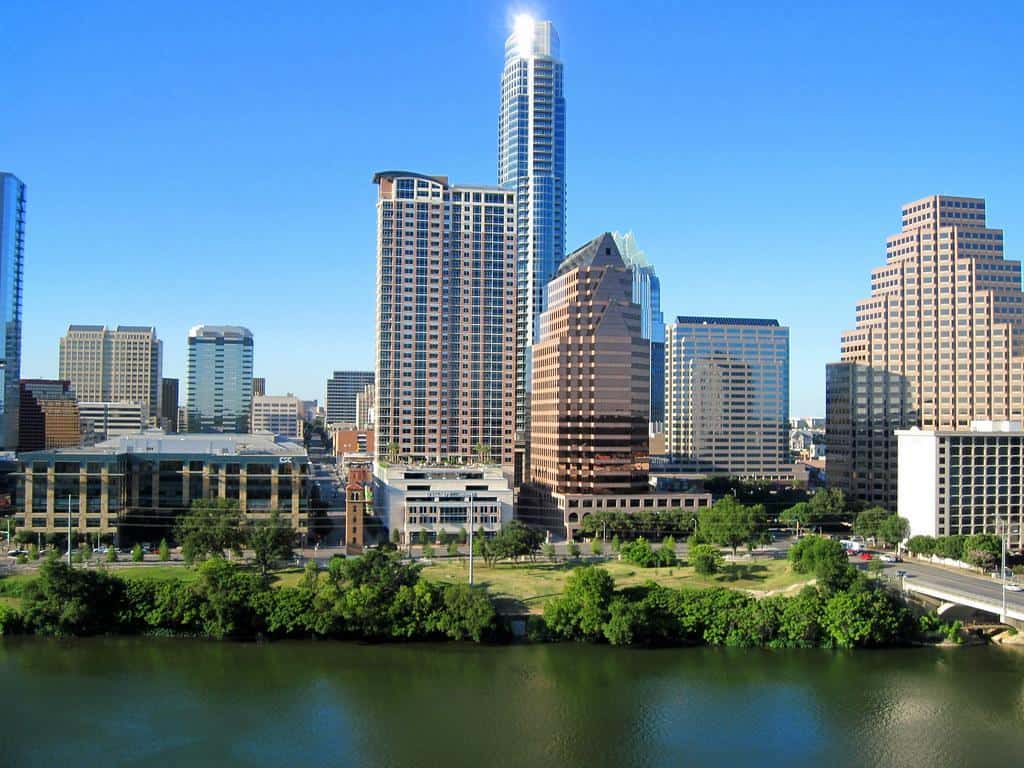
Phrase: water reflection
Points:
(132, 701)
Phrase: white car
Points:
(1012, 587)
(887, 558)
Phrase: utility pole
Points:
(1002, 568)
(69, 530)
(471, 541)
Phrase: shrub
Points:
(706, 559)
(581, 611)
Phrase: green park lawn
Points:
(532, 584)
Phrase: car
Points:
(887, 558)
(17, 552)
(1014, 587)
(901, 573)
(865, 555)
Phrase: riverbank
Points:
(377, 597)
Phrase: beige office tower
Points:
(365, 407)
(937, 345)
(445, 356)
(122, 365)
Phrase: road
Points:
(966, 584)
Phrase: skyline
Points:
(787, 166)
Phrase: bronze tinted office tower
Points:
(591, 379)
(938, 344)
(446, 261)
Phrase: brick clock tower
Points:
(358, 504)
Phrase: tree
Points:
(165, 551)
(453, 548)
(640, 553)
(463, 536)
(483, 452)
(828, 505)
(596, 548)
(869, 522)
(825, 558)
(616, 544)
(729, 523)
(921, 545)
(800, 514)
(982, 550)
(210, 527)
(573, 549)
(706, 559)
(893, 530)
(33, 552)
(667, 553)
(396, 536)
(137, 556)
(581, 611)
(428, 548)
(864, 617)
(516, 540)
(112, 554)
(271, 540)
(548, 550)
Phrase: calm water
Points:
(115, 702)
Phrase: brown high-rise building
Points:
(591, 398)
(938, 344)
(169, 404)
(591, 379)
(48, 416)
(445, 357)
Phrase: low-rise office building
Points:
(280, 414)
(963, 482)
(103, 421)
(144, 481)
(346, 439)
(441, 499)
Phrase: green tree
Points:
(706, 559)
(271, 540)
(728, 523)
(112, 554)
(828, 505)
(667, 552)
(800, 514)
(640, 553)
(573, 549)
(982, 550)
(165, 551)
(137, 556)
(596, 548)
(616, 544)
(396, 536)
(210, 527)
(65, 601)
(921, 545)
(463, 536)
(453, 548)
(548, 550)
(893, 530)
(581, 611)
(428, 548)
(33, 551)
(869, 522)
(825, 558)
(864, 617)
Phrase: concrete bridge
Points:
(954, 592)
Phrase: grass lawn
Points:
(532, 584)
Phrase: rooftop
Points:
(155, 441)
(701, 320)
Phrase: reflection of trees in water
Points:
(427, 704)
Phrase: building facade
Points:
(436, 499)
(590, 409)
(259, 386)
(347, 440)
(102, 421)
(963, 482)
(120, 365)
(12, 265)
(143, 482)
(727, 397)
(647, 293)
(942, 333)
(358, 506)
(220, 359)
(445, 352)
(169, 404)
(48, 415)
(365, 407)
(531, 163)
(280, 414)
(340, 396)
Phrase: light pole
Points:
(69, 530)
(471, 541)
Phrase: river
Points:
(146, 702)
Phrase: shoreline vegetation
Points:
(379, 598)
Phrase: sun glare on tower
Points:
(523, 30)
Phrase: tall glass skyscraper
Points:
(219, 378)
(647, 293)
(531, 161)
(12, 258)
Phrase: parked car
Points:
(887, 558)
(1014, 587)
(865, 555)
(17, 552)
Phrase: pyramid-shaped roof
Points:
(599, 252)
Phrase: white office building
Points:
(438, 499)
(280, 414)
(102, 421)
(963, 482)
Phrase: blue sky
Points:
(190, 164)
